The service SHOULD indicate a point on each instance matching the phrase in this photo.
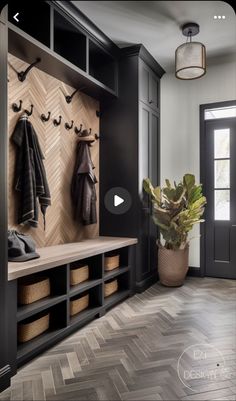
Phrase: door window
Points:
(222, 174)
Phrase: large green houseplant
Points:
(175, 211)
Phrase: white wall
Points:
(180, 102)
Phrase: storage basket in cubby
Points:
(33, 288)
(78, 274)
(29, 330)
(79, 304)
(110, 288)
(111, 261)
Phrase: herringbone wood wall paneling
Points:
(58, 145)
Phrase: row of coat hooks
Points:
(22, 75)
(56, 122)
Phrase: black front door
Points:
(220, 189)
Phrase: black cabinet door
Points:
(148, 86)
(153, 174)
(153, 90)
(144, 71)
(148, 167)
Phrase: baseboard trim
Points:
(194, 271)
(141, 286)
(5, 377)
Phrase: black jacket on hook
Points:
(83, 190)
(30, 175)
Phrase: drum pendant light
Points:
(190, 57)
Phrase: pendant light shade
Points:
(190, 57)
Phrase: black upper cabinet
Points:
(149, 85)
(70, 46)
(69, 42)
(35, 21)
(101, 65)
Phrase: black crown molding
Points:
(140, 51)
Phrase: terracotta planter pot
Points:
(172, 266)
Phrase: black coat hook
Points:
(16, 108)
(98, 113)
(69, 98)
(31, 110)
(97, 136)
(68, 127)
(44, 118)
(77, 131)
(23, 74)
(90, 130)
(57, 122)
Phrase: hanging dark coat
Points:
(30, 175)
(83, 191)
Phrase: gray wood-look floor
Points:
(132, 352)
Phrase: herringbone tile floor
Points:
(132, 352)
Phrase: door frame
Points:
(202, 109)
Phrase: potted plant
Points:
(175, 211)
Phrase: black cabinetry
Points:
(130, 129)
(69, 42)
(35, 21)
(52, 32)
(62, 293)
(148, 85)
(102, 66)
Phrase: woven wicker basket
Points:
(110, 288)
(111, 262)
(32, 289)
(79, 274)
(78, 305)
(28, 331)
(172, 266)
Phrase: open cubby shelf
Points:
(25, 311)
(86, 285)
(101, 65)
(84, 316)
(30, 20)
(65, 50)
(122, 292)
(62, 293)
(115, 298)
(116, 272)
(66, 33)
(57, 324)
(26, 351)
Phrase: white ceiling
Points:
(156, 24)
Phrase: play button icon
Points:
(117, 200)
